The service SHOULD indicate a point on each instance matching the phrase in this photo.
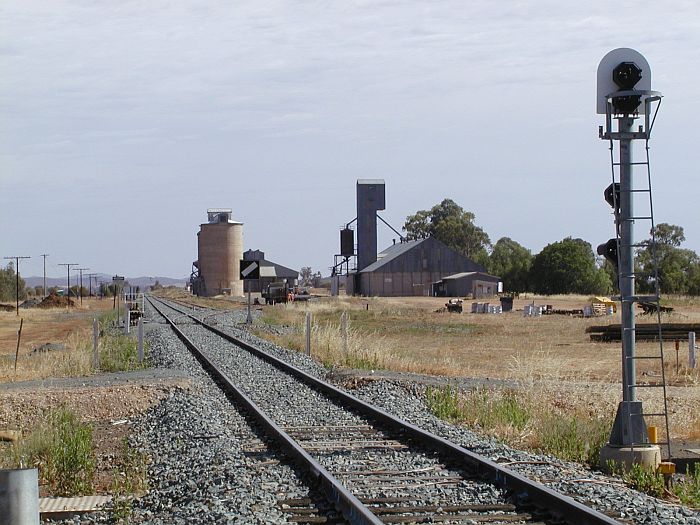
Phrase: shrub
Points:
(688, 489)
(481, 407)
(62, 449)
(573, 438)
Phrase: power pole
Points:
(68, 265)
(80, 290)
(90, 276)
(44, 255)
(17, 258)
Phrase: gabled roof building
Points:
(410, 268)
(270, 272)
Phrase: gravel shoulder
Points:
(148, 376)
(105, 397)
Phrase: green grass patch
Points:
(572, 438)
(118, 352)
(688, 488)
(363, 361)
(640, 478)
(62, 449)
(508, 415)
(483, 408)
(445, 403)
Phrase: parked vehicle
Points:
(278, 292)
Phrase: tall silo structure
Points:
(370, 199)
(220, 249)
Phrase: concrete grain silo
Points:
(220, 249)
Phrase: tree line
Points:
(565, 266)
(8, 284)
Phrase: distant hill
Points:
(143, 282)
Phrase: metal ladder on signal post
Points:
(654, 276)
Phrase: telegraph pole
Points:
(45, 255)
(80, 290)
(90, 276)
(68, 265)
(17, 258)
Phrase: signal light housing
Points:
(613, 199)
(626, 75)
(609, 251)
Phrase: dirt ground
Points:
(62, 328)
(108, 402)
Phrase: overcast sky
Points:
(121, 122)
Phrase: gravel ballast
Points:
(407, 401)
(202, 471)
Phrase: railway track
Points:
(373, 467)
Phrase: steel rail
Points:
(352, 508)
(561, 506)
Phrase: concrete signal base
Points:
(647, 456)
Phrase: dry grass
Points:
(551, 357)
(69, 327)
(411, 336)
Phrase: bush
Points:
(118, 352)
(445, 403)
(572, 438)
(688, 489)
(501, 413)
(481, 407)
(62, 449)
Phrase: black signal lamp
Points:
(609, 251)
(627, 104)
(612, 196)
(625, 76)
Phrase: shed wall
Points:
(398, 284)
(471, 285)
(413, 272)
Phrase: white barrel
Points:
(19, 496)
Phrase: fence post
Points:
(308, 333)
(19, 338)
(691, 350)
(344, 330)
(140, 337)
(127, 318)
(95, 343)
